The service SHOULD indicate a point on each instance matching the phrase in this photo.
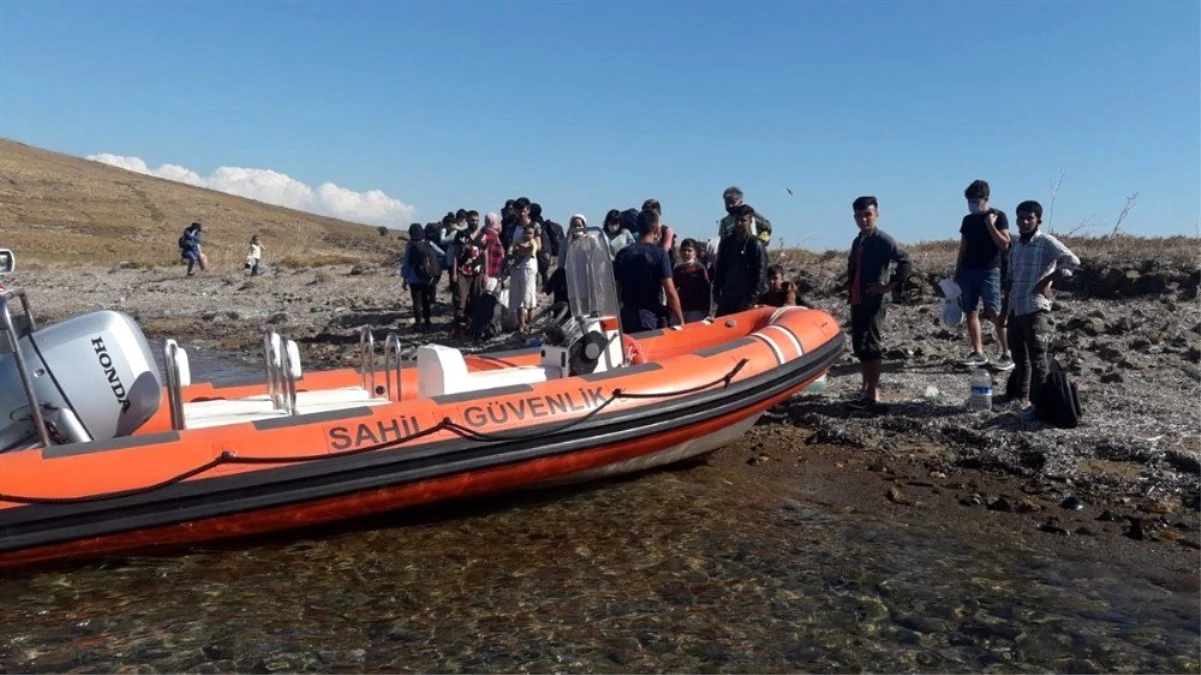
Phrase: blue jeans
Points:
(980, 285)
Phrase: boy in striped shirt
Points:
(1036, 261)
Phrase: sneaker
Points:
(1004, 363)
(975, 360)
(861, 403)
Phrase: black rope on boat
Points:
(17, 499)
(468, 433)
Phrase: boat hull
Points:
(233, 501)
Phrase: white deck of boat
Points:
(202, 414)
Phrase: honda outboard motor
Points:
(94, 377)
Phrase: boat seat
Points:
(219, 412)
(442, 370)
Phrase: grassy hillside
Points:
(57, 209)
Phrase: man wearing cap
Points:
(760, 227)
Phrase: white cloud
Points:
(373, 206)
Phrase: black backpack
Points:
(1059, 400)
(425, 261)
(183, 242)
(487, 317)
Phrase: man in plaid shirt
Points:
(1036, 260)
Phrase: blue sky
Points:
(584, 106)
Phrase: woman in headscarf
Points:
(556, 286)
(493, 247)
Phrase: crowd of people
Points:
(663, 282)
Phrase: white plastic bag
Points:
(952, 313)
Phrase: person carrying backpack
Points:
(1036, 261)
(189, 248)
(421, 267)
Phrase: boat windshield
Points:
(591, 288)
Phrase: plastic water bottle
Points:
(981, 400)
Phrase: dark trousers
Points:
(423, 298)
(867, 321)
(468, 289)
(1029, 337)
(732, 304)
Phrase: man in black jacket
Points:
(740, 275)
(872, 255)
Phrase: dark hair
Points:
(733, 191)
(977, 190)
(647, 222)
(742, 210)
(613, 216)
(196, 226)
(521, 203)
(509, 203)
(460, 214)
(773, 270)
(473, 212)
(1031, 206)
(864, 203)
(536, 212)
(652, 204)
(690, 243)
(416, 232)
(448, 218)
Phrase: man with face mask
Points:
(1036, 261)
(468, 269)
(760, 226)
(618, 236)
(983, 245)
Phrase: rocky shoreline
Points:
(1130, 335)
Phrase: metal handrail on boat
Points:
(291, 363)
(367, 357)
(10, 331)
(174, 386)
(276, 378)
(391, 354)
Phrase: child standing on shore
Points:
(872, 254)
(254, 256)
(1036, 260)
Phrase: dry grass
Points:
(61, 210)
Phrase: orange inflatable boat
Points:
(100, 455)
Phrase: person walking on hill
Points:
(983, 246)
(189, 248)
(420, 268)
(254, 256)
(872, 255)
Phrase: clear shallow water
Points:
(686, 570)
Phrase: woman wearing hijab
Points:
(493, 246)
(556, 286)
